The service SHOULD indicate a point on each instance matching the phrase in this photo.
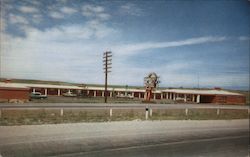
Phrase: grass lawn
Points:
(53, 116)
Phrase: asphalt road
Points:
(134, 138)
(216, 147)
(117, 106)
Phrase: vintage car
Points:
(37, 95)
(69, 94)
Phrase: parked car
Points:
(125, 96)
(69, 94)
(37, 95)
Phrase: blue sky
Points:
(184, 42)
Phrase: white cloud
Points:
(93, 11)
(123, 72)
(98, 9)
(74, 32)
(171, 75)
(68, 10)
(60, 14)
(6, 6)
(28, 9)
(54, 59)
(91, 30)
(71, 54)
(131, 9)
(136, 48)
(103, 16)
(56, 15)
(35, 2)
(3, 24)
(37, 18)
(61, 1)
(67, 52)
(243, 38)
(16, 19)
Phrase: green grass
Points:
(52, 116)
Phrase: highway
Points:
(176, 138)
(119, 106)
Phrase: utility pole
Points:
(2, 13)
(107, 66)
(198, 76)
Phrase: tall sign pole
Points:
(107, 66)
(150, 82)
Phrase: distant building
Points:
(218, 96)
(14, 93)
(205, 96)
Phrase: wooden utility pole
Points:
(107, 66)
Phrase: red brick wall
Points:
(208, 99)
(231, 99)
(224, 99)
(14, 93)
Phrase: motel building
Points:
(21, 91)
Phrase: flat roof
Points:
(201, 91)
(12, 85)
(116, 89)
(120, 89)
(27, 85)
(181, 91)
